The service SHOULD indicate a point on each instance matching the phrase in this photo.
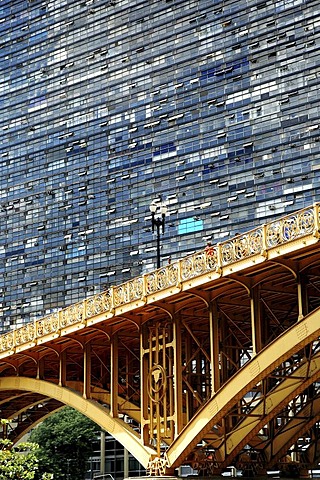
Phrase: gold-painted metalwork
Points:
(242, 247)
(47, 325)
(198, 362)
(71, 315)
(290, 227)
(157, 383)
(261, 408)
(157, 357)
(93, 410)
(161, 279)
(128, 292)
(157, 466)
(7, 341)
(25, 334)
(214, 410)
(199, 263)
(100, 303)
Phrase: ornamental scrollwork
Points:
(186, 268)
(135, 289)
(71, 315)
(241, 247)
(7, 341)
(120, 295)
(47, 325)
(157, 466)
(211, 259)
(151, 283)
(97, 304)
(255, 242)
(290, 227)
(306, 222)
(227, 253)
(162, 279)
(273, 234)
(172, 271)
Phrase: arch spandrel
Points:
(117, 428)
(205, 324)
(248, 431)
(290, 342)
(295, 429)
(24, 427)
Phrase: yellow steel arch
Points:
(288, 343)
(288, 264)
(31, 421)
(242, 281)
(36, 422)
(22, 408)
(295, 428)
(116, 427)
(268, 407)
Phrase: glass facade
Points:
(210, 106)
(114, 462)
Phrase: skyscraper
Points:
(106, 106)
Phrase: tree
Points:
(19, 462)
(66, 441)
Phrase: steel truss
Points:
(212, 361)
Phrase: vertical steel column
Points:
(177, 376)
(188, 394)
(114, 375)
(223, 328)
(87, 371)
(256, 327)
(144, 386)
(40, 369)
(62, 368)
(302, 296)
(155, 398)
(128, 377)
(214, 346)
(102, 452)
(171, 391)
(157, 383)
(125, 463)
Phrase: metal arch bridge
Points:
(213, 360)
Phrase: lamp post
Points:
(158, 218)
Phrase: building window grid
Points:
(168, 166)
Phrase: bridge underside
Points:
(218, 370)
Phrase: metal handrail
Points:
(258, 241)
(102, 476)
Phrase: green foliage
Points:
(66, 443)
(19, 462)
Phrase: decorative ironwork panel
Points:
(7, 341)
(47, 325)
(199, 263)
(99, 303)
(290, 227)
(71, 315)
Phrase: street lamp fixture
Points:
(158, 219)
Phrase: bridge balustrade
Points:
(258, 241)
(212, 360)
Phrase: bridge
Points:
(211, 361)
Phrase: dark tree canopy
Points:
(66, 441)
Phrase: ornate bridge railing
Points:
(212, 359)
(259, 241)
